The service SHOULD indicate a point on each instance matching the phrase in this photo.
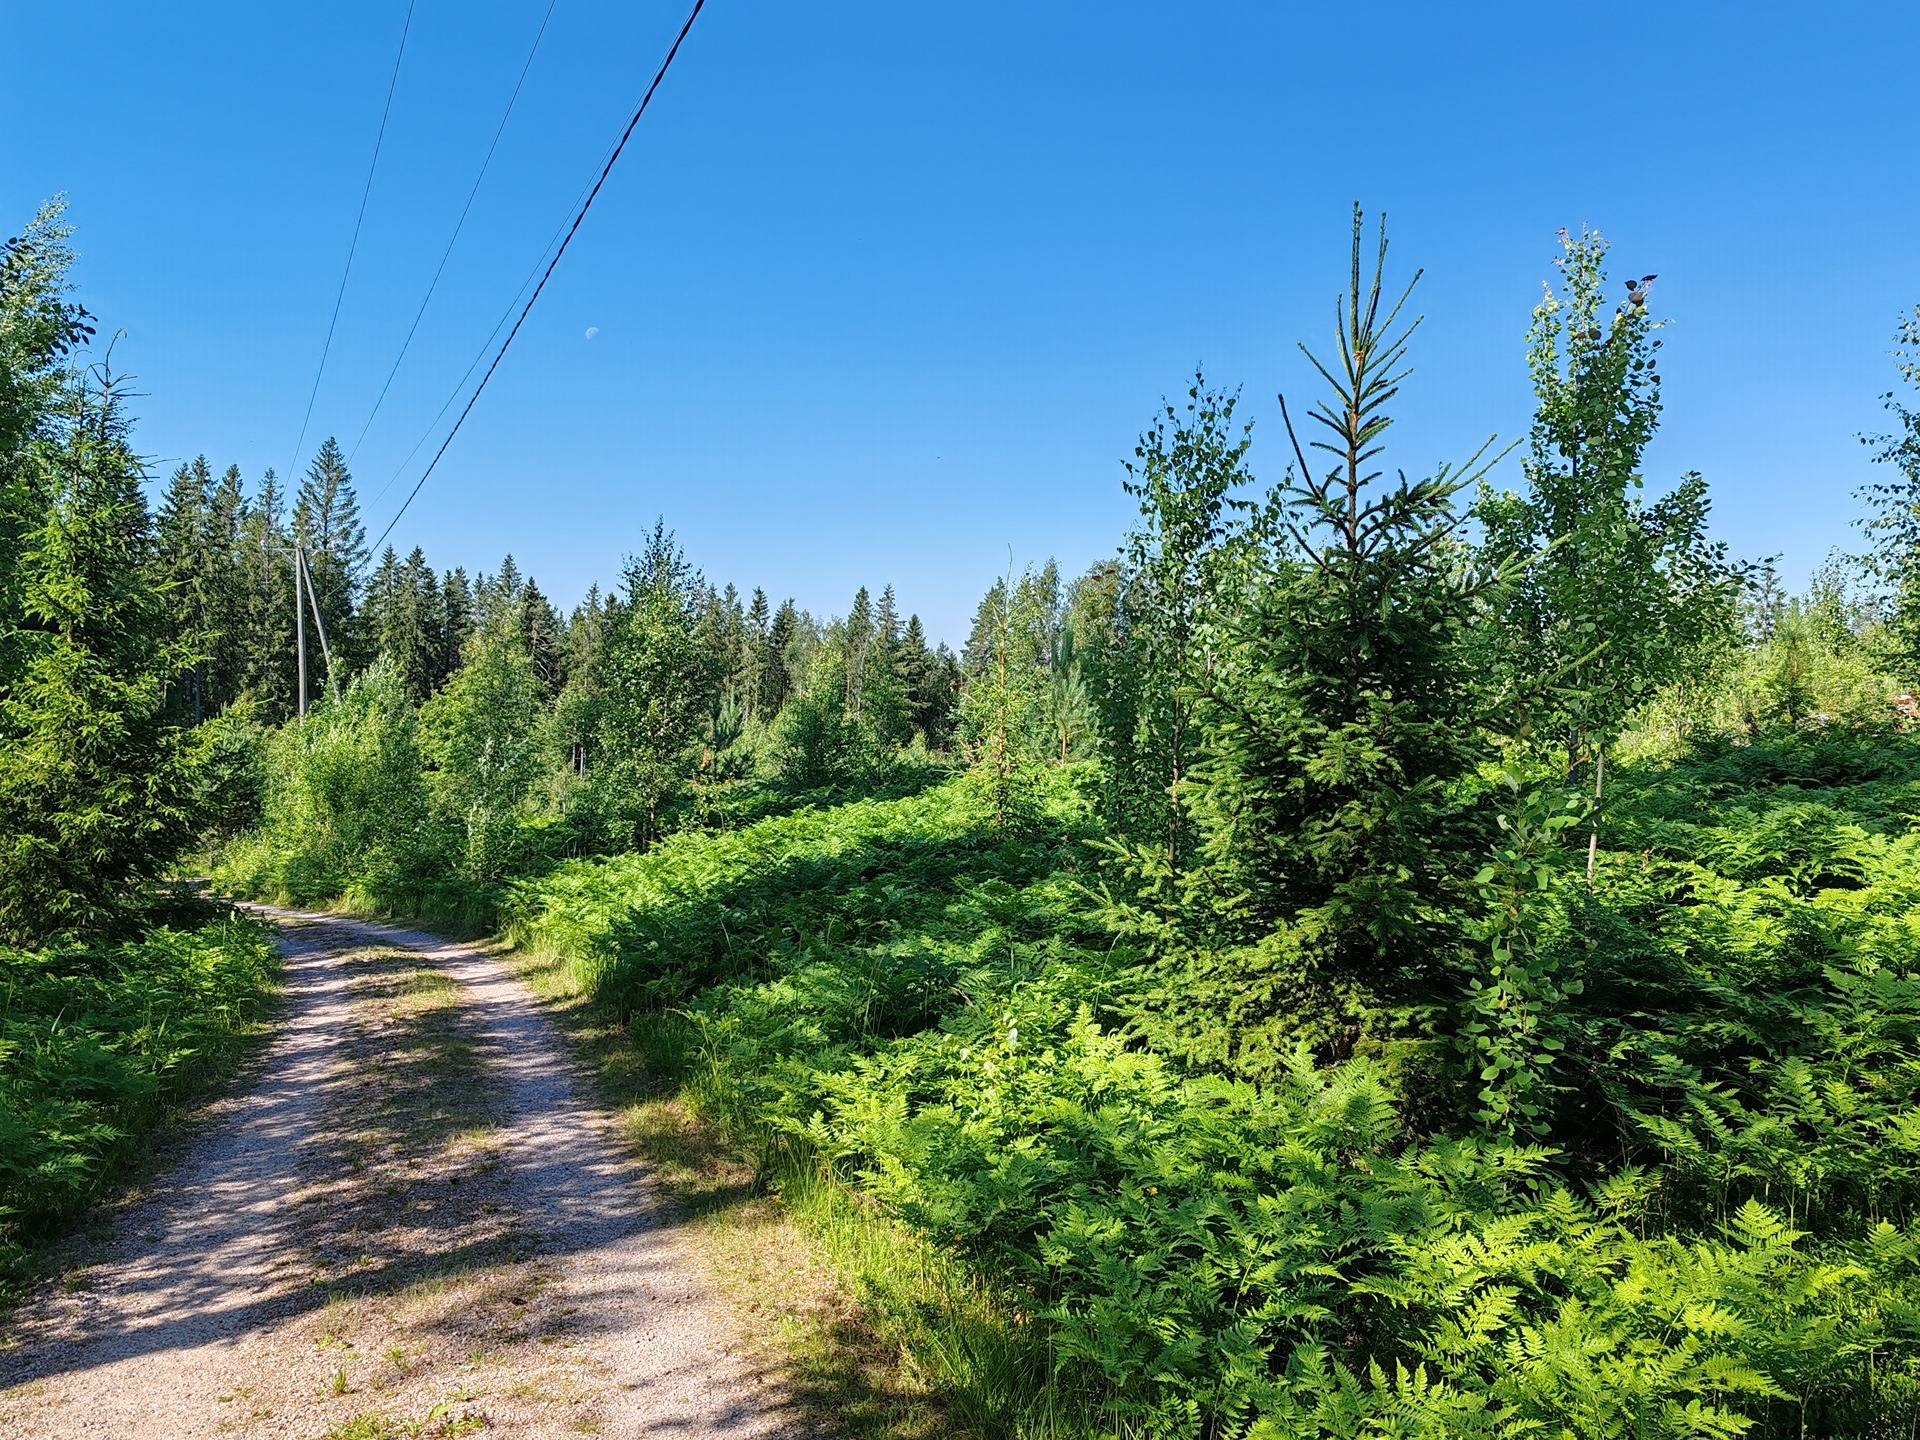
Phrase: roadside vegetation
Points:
(100, 1043)
(1415, 953)
(118, 1004)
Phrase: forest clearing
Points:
(1389, 949)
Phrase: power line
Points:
(458, 225)
(460, 385)
(572, 230)
(393, 82)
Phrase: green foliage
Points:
(659, 677)
(1184, 474)
(1341, 724)
(348, 810)
(1610, 598)
(95, 779)
(97, 1044)
(817, 741)
(482, 735)
(1005, 723)
(1708, 1240)
(1240, 1036)
(1511, 1028)
(1892, 522)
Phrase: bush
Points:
(96, 1045)
(346, 811)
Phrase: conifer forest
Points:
(1396, 949)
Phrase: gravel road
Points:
(411, 1220)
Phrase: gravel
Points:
(412, 1220)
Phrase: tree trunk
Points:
(1593, 835)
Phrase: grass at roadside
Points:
(101, 1049)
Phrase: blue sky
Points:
(883, 291)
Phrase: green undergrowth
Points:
(881, 1331)
(877, 1334)
(99, 1046)
(901, 1014)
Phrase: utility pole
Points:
(299, 631)
(326, 654)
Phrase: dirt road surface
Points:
(411, 1219)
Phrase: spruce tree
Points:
(857, 638)
(885, 706)
(978, 655)
(942, 696)
(751, 678)
(266, 649)
(226, 590)
(429, 616)
(540, 633)
(181, 574)
(39, 328)
(379, 602)
(777, 663)
(456, 615)
(96, 783)
(912, 669)
(1342, 720)
(326, 521)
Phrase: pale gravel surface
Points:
(412, 1218)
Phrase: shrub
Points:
(96, 1045)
